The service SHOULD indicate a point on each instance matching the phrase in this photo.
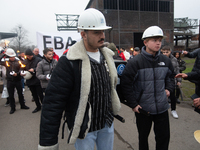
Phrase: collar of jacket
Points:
(149, 56)
(78, 52)
(47, 61)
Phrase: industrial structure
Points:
(184, 30)
(129, 18)
(6, 35)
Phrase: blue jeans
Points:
(103, 138)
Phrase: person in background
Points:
(112, 46)
(196, 67)
(55, 56)
(83, 84)
(22, 56)
(37, 53)
(195, 76)
(182, 67)
(147, 82)
(126, 54)
(13, 78)
(166, 50)
(45, 68)
(34, 83)
(22, 59)
(135, 52)
(3, 75)
(120, 53)
(73, 42)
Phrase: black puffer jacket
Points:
(145, 79)
(68, 90)
(195, 54)
(32, 64)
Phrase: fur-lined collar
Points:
(78, 52)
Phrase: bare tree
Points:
(21, 41)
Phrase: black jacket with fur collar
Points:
(68, 90)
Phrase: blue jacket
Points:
(145, 79)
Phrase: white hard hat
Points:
(10, 52)
(28, 75)
(92, 19)
(152, 32)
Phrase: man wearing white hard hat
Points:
(13, 79)
(83, 85)
(147, 82)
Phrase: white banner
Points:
(59, 41)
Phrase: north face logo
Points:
(161, 63)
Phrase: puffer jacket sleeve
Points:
(194, 75)
(169, 80)
(126, 81)
(193, 54)
(39, 73)
(56, 98)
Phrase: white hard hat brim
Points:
(163, 37)
(12, 55)
(100, 28)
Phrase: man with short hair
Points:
(34, 83)
(147, 82)
(126, 54)
(135, 52)
(55, 56)
(37, 53)
(83, 84)
(166, 50)
(45, 68)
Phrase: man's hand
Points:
(31, 70)
(196, 102)
(167, 93)
(136, 108)
(179, 84)
(181, 75)
(15, 74)
(185, 52)
(48, 77)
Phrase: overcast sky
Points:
(39, 15)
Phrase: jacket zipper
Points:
(155, 85)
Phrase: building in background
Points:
(129, 18)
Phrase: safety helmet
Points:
(92, 19)
(28, 75)
(152, 32)
(10, 52)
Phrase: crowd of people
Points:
(28, 68)
(82, 84)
